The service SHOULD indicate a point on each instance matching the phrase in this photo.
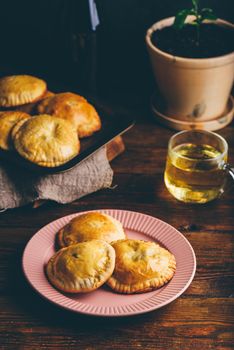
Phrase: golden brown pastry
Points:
(20, 89)
(30, 108)
(74, 108)
(82, 267)
(92, 225)
(15, 128)
(140, 266)
(47, 141)
(7, 122)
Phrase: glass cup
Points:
(196, 167)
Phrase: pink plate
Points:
(103, 301)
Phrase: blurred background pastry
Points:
(18, 90)
(47, 141)
(74, 108)
(8, 120)
(31, 107)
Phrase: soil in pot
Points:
(214, 40)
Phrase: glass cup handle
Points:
(229, 169)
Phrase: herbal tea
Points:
(189, 177)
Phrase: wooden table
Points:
(202, 318)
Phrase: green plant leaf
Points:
(195, 4)
(192, 12)
(180, 18)
(208, 13)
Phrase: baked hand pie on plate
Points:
(47, 141)
(20, 89)
(8, 120)
(74, 108)
(140, 266)
(82, 267)
(92, 225)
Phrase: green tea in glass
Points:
(196, 166)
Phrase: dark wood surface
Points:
(202, 318)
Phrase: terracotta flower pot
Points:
(193, 89)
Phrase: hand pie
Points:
(140, 266)
(31, 107)
(7, 122)
(82, 267)
(20, 89)
(92, 225)
(74, 108)
(47, 141)
(16, 127)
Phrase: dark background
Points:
(42, 38)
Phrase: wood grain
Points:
(202, 318)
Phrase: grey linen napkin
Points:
(19, 187)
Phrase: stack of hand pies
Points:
(43, 127)
(94, 250)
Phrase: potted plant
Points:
(193, 62)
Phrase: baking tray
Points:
(112, 126)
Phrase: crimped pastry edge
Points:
(22, 116)
(146, 286)
(47, 164)
(96, 283)
(60, 234)
(12, 99)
